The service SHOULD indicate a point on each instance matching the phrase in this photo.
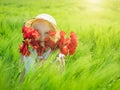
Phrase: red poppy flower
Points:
(30, 33)
(35, 34)
(52, 32)
(62, 34)
(67, 41)
(46, 39)
(71, 46)
(64, 50)
(73, 43)
(24, 49)
(26, 32)
(73, 35)
(50, 43)
(61, 42)
(40, 50)
(34, 43)
(71, 52)
(24, 29)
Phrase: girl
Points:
(40, 37)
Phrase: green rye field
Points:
(94, 66)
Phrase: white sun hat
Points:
(47, 17)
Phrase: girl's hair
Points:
(32, 22)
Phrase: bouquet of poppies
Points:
(31, 37)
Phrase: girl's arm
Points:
(61, 60)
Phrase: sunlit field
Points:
(94, 66)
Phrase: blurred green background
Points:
(94, 66)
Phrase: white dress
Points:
(30, 61)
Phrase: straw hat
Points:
(45, 18)
(42, 17)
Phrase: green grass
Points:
(94, 66)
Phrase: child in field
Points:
(41, 36)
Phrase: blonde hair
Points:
(32, 22)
